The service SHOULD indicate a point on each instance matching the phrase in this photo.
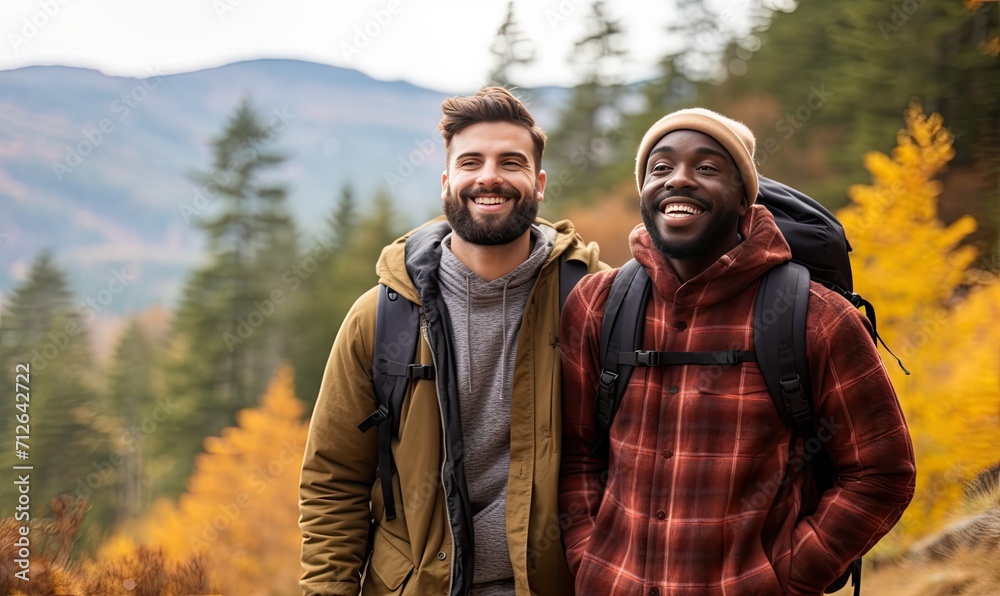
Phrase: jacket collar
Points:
(411, 262)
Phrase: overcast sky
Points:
(443, 45)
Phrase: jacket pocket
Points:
(389, 568)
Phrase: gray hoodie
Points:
(486, 319)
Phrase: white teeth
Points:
(490, 200)
(681, 210)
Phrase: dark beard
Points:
(492, 231)
(719, 227)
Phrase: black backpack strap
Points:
(571, 271)
(621, 331)
(779, 340)
(780, 343)
(396, 333)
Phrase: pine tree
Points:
(932, 302)
(133, 408)
(322, 299)
(40, 328)
(705, 30)
(230, 331)
(510, 48)
(585, 140)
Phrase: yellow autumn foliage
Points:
(240, 511)
(937, 310)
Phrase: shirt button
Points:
(442, 556)
(654, 592)
(673, 389)
(667, 453)
(681, 325)
(661, 515)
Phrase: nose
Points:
(681, 177)
(489, 175)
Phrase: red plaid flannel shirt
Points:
(696, 499)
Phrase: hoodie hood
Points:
(763, 247)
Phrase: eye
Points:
(661, 168)
(467, 163)
(708, 168)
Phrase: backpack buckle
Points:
(729, 357)
(419, 371)
(375, 418)
(608, 379)
(643, 358)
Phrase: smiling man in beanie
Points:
(695, 493)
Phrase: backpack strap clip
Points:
(374, 419)
(646, 358)
(730, 357)
(797, 404)
(604, 403)
(420, 371)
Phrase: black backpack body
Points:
(819, 252)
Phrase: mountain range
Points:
(98, 168)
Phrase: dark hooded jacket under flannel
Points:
(696, 500)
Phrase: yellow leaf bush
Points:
(937, 309)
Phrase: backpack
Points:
(819, 252)
(397, 322)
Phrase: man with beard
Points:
(475, 481)
(697, 492)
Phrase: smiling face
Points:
(691, 200)
(492, 187)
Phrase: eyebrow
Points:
(504, 155)
(700, 150)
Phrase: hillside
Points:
(97, 167)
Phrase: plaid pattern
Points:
(696, 498)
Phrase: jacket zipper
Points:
(444, 441)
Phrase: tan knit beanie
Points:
(734, 136)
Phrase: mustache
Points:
(499, 191)
(674, 194)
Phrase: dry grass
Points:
(960, 560)
(966, 573)
(145, 572)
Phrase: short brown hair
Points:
(491, 104)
